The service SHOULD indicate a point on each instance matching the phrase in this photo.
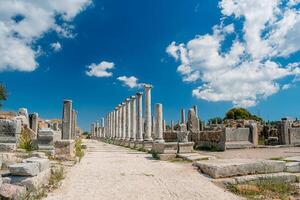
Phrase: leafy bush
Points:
(26, 142)
(78, 149)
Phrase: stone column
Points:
(103, 127)
(74, 123)
(67, 120)
(123, 121)
(196, 110)
(111, 125)
(108, 125)
(182, 116)
(253, 128)
(172, 126)
(120, 121)
(147, 89)
(97, 128)
(34, 122)
(117, 122)
(128, 119)
(133, 118)
(164, 126)
(159, 124)
(93, 130)
(139, 136)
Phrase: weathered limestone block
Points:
(165, 148)
(293, 159)
(34, 182)
(9, 129)
(65, 149)
(46, 139)
(43, 163)
(9, 191)
(24, 169)
(237, 167)
(147, 145)
(195, 157)
(185, 147)
(293, 167)
(193, 121)
(278, 177)
(183, 136)
(281, 177)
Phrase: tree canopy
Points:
(3, 94)
(241, 113)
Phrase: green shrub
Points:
(26, 142)
(78, 149)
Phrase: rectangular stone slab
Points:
(24, 169)
(44, 163)
(223, 168)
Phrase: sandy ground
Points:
(263, 153)
(112, 172)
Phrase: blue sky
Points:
(134, 35)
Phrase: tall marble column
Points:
(172, 126)
(159, 124)
(103, 127)
(33, 122)
(117, 122)
(128, 119)
(147, 89)
(182, 114)
(114, 124)
(123, 113)
(93, 130)
(133, 118)
(67, 120)
(139, 117)
(97, 128)
(120, 121)
(111, 125)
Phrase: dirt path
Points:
(112, 172)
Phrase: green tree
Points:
(3, 94)
(241, 113)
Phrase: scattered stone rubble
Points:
(27, 171)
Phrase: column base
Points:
(187, 147)
(147, 145)
(132, 144)
(165, 148)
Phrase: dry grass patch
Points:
(265, 189)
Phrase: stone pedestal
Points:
(165, 148)
(147, 145)
(131, 144)
(185, 147)
(65, 149)
(138, 145)
(46, 139)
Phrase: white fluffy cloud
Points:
(22, 22)
(131, 82)
(101, 69)
(56, 46)
(249, 70)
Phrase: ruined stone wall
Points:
(9, 130)
(237, 134)
(294, 134)
(209, 139)
(170, 136)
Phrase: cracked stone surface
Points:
(113, 172)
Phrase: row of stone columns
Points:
(127, 122)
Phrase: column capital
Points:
(148, 86)
(133, 97)
(139, 94)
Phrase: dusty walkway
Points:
(112, 172)
(257, 153)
